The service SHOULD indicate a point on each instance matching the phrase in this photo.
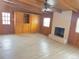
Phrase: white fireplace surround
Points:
(62, 20)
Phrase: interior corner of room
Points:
(27, 17)
(39, 29)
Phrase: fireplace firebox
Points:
(59, 31)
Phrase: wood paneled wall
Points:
(6, 29)
(46, 30)
(7, 7)
(73, 36)
(21, 27)
(34, 20)
(18, 22)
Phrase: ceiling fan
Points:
(49, 6)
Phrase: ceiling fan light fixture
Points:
(48, 5)
(46, 9)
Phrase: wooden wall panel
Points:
(6, 29)
(26, 28)
(21, 27)
(34, 23)
(18, 22)
(46, 30)
(73, 36)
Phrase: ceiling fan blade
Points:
(51, 2)
(9, 1)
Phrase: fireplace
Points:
(59, 31)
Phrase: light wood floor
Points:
(34, 46)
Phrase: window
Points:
(46, 22)
(5, 18)
(77, 26)
(26, 18)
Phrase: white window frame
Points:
(77, 26)
(46, 22)
(5, 18)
